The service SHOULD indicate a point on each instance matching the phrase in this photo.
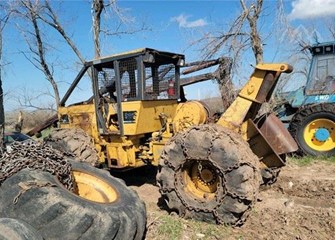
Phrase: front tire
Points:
(313, 128)
(104, 209)
(209, 173)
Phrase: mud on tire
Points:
(76, 141)
(57, 213)
(209, 173)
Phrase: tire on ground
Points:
(15, 229)
(57, 213)
(209, 173)
(76, 141)
(314, 117)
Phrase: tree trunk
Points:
(253, 14)
(222, 76)
(2, 112)
(97, 7)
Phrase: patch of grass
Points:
(329, 159)
(173, 227)
(308, 160)
(170, 228)
(302, 161)
(207, 231)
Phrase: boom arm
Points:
(256, 91)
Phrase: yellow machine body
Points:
(159, 120)
(133, 132)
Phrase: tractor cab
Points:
(321, 79)
(320, 84)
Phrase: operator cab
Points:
(322, 71)
(130, 90)
(142, 74)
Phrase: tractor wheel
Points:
(313, 128)
(103, 208)
(76, 141)
(209, 173)
(15, 229)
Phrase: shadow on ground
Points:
(138, 176)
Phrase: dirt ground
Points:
(300, 205)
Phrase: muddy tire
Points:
(209, 173)
(75, 141)
(313, 128)
(15, 229)
(109, 211)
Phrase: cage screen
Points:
(106, 81)
(129, 78)
(160, 82)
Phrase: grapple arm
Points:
(266, 135)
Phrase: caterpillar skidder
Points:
(138, 115)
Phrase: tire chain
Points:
(221, 173)
(33, 155)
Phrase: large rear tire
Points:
(313, 128)
(76, 141)
(104, 209)
(209, 173)
(11, 229)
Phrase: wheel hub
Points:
(319, 134)
(207, 176)
(201, 179)
(322, 134)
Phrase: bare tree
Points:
(3, 22)
(242, 35)
(32, 101)
(50, 17)
(117, 22)
(41, 12)
(331, 27)
(29, 11)
(238, 37)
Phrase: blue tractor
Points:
(309, 112)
